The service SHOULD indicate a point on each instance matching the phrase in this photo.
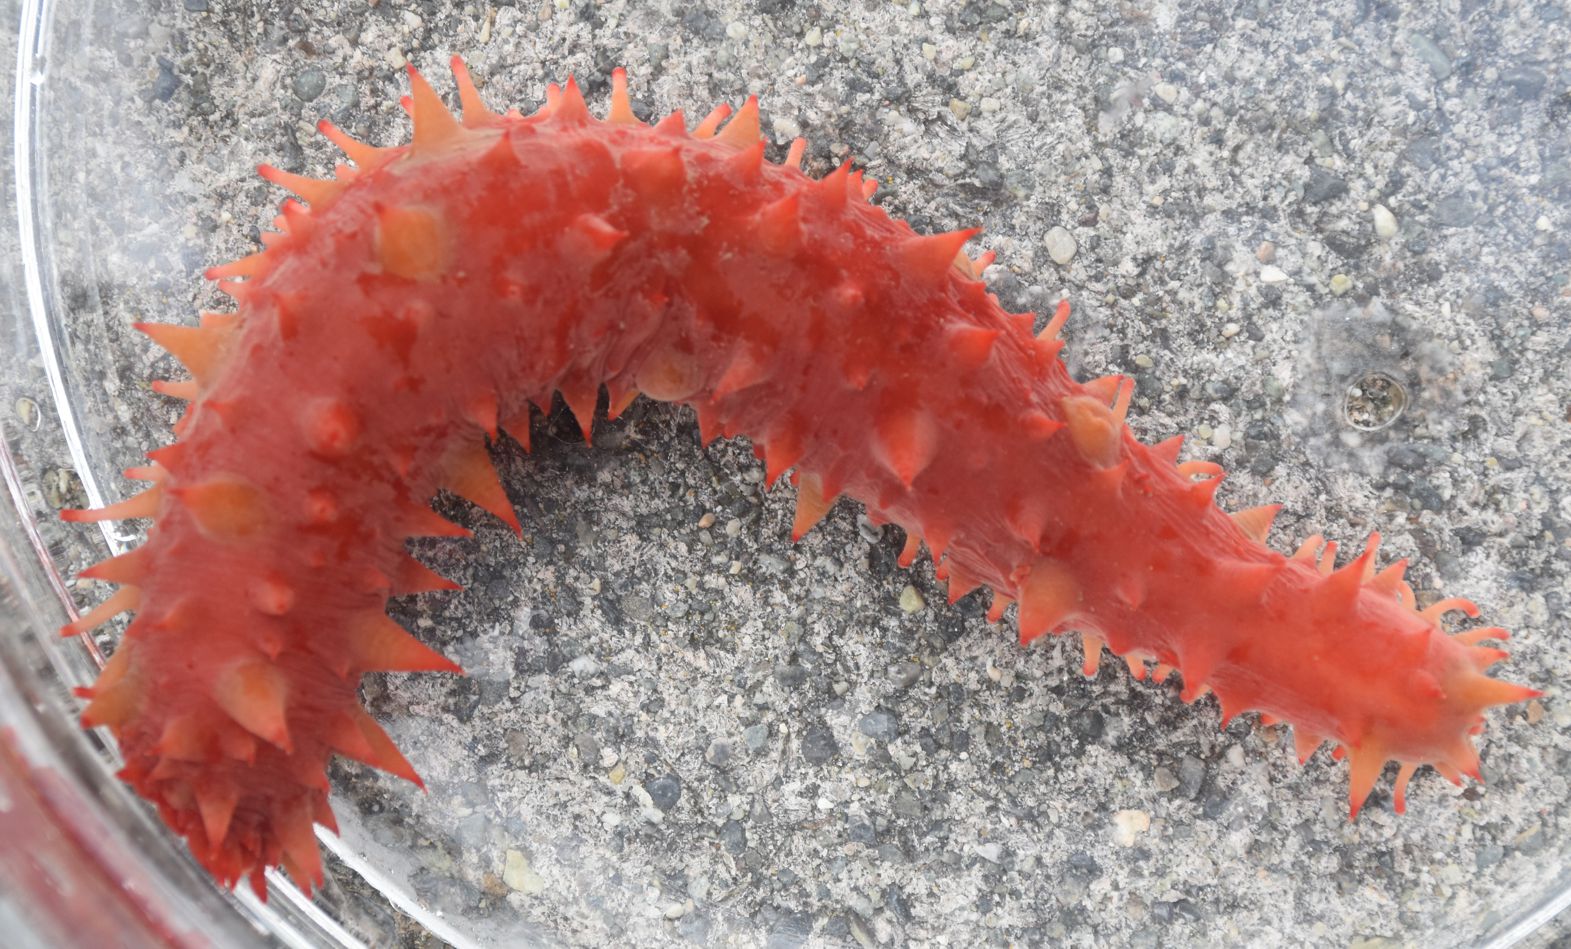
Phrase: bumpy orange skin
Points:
(430, 296)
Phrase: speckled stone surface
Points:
(1330, 241)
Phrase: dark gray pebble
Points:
(718, 753)
(818, 744)
(1176, 910)
(790, 676)
(1219, 390)
(309, 83)
(1088, 723)
(1323, 186)
(166, 83)
(879, 724)
(665, 791)
(733, 837)
(790, 931)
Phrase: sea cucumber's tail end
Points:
(1369, 759)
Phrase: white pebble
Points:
(736, 29)
(991, 851)
(584, 666)
(814, 37)
(1061, 246)
(911, 599)
(1129, 825)
(1385, 222)
(1271, 273)
(1166, 91)
(1222, 437)
(1229, 330)
(1115, 54)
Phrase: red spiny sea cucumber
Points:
(431, 292)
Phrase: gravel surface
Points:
(1329, 241)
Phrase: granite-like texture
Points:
(680, 727)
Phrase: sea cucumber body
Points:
(446, 286)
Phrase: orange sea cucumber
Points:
(433, 291)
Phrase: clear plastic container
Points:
(677, 726)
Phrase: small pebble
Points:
(1166, 91)
(664, 791)
(1222, 437)
(737, 30)
(309, 83)
(911, 600)
(1431, 55)
(1229, 330)
(519, 875)
(818, 744)
(960, 107)
(1323, 186)
(1340, 284)
(1144, 361)
(1385, 222)
(1061, 246)
(718, 753)
(879, 724)
(706, 522)
(992, 851)
(27, 412)
(1129, 825)
(1271, 273)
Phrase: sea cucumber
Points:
(433, 291)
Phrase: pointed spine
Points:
(434, 125)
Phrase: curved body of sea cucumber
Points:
(428, 295)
